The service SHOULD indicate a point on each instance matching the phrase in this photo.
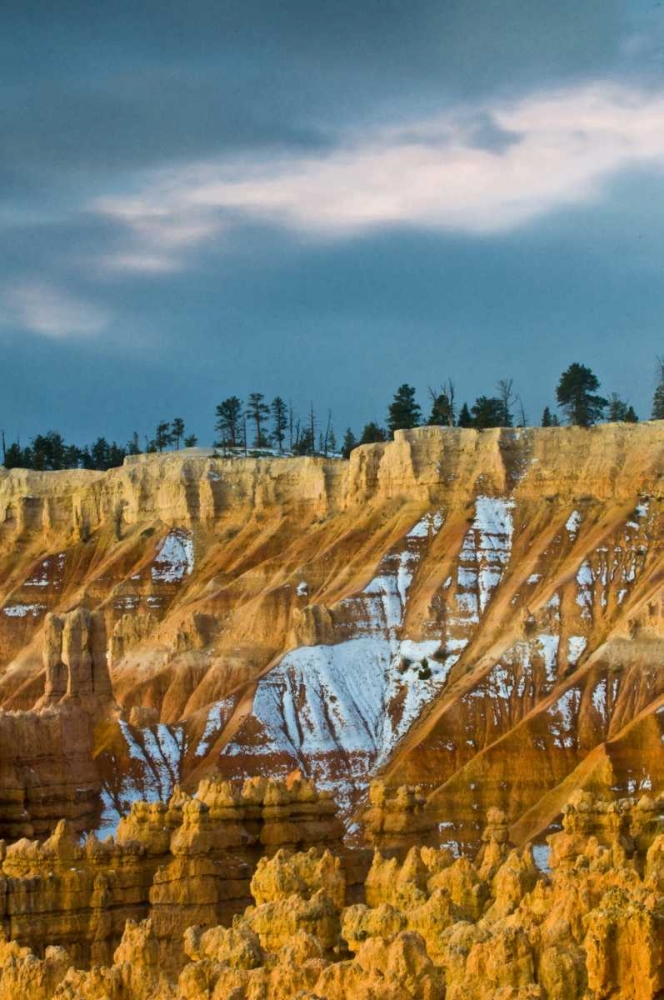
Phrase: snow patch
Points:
(541, 856)
(217, 714)
(23, 610)
(175, 558)
(575, 647)
(564, 726)
(548, 645)
(573, 523)
(599, 698)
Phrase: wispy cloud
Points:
(49, 310)
(545, 152)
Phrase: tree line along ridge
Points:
(256, 427)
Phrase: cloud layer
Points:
(323, 200)
(49, 310)
(482, 170)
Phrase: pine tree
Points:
(48, 452)
(133, 447)
(488, 411)
(190, 441)
(547, 420)
(163, 436)
(72, 457)
(630, 416)
(372, 433)
(258, 411)
(404, 412)
(443, 410)
(442, 413)
(349, 443)
(15, 457)
(617, 409)
(465, 419)
(575, 394)
(279, 421)
(115, 455)
(177, 431)
(658, 398)
(229, 423)
(99, 454)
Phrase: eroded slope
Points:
(477, 612)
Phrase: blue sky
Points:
(324, 201)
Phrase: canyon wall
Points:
(477, 613)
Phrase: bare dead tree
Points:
(291, 418)
(507, 399)
(442, 403)
(523, 418)
(312, 428)
(326, 439)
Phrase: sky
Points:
(322, 201)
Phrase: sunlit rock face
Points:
(188, 861)
(475, 613)
(430, 925)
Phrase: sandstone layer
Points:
(476, 613)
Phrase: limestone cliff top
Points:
(610, 460)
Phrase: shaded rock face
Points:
(185, 862)
(47, 766)
(476, 613)
(432, 927)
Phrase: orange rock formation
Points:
(477, 613)
(432, 928)
(476, 619)
(185, 862)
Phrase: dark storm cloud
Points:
(110, 85)
(204, 198)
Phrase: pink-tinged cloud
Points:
(561, 149)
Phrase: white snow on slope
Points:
(218, 715)
(158, 761)
(573, 523)
(23, 610)
(564, 712)
(175, 558)
(360, 697)
(485, 553)
(599, 698)
(48, 566)
(575, 647)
